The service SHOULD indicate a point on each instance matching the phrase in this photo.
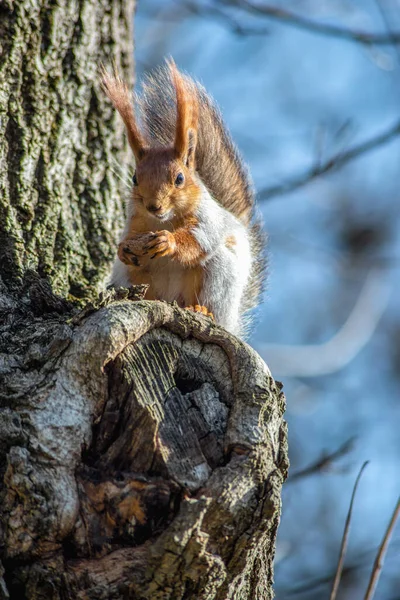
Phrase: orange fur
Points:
(188, 250)
(184, 157)
(186, 117)
(180, 244)
(163, 214)
(140, 247)
(230, 241)
(191, 286)
(201, 309)
(156, 175)
(118, 93)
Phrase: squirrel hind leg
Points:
(201, 309)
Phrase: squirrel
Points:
(192, 233)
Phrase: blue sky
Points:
(292, 98)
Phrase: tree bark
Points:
(60, 141)
(142, 447)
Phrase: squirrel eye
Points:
(134, 180)
(179, 179)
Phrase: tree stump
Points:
(145, 461)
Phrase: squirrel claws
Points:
(160, 254)
(127, 256)
(162, 244)
(134, 247)
(201, 309)
(155, 245)
(152, 245)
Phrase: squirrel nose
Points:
(154, 208)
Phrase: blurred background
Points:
(310, 90)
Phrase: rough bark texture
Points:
(175, 491)
(142, 448)
(60, 141)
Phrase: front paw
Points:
(162, 244)
(128, 254)
(131, 251)
(127, 257)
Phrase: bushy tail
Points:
(218, 161)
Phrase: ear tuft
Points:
(117, 91)
(192, 142)
(186, 115)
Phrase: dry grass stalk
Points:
(343, 546)
(380, 557)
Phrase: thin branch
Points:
(291, 18)
(324, 462)
(386, 20)
(358, 563)
(225, 18)
(380, 557)
(333, 164)
(343, 546)
(205, 11)
(381, 4)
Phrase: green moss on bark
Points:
(61, 202)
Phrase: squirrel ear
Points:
(192, 141)
(186, 116)
(118, 93)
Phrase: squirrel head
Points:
(165, 182)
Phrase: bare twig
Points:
(205, 11)
(343, 546)
(358, 563)
(214, 11)
(291, 18)
(324, 462)
(330, 165)
(287, 17)
(382, 9)
(377, 568)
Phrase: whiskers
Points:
(122, 173)
(169, 221)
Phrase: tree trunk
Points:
(142, 448)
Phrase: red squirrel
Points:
(192, 233)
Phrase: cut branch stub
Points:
(177, 491)
(164, 413)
